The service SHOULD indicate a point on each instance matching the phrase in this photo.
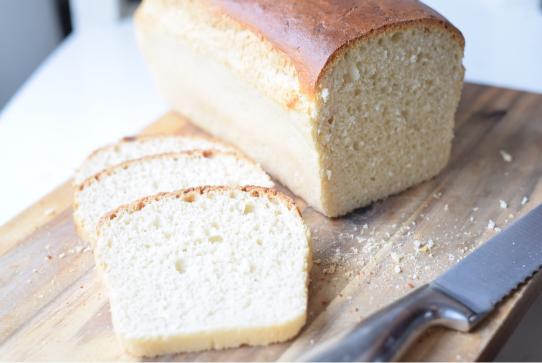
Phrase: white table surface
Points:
(95, 89)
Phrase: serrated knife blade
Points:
(459, 299)
(492, 271)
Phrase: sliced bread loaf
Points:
(205, 268)
(343, 101)
(131, 148)
(138, 178)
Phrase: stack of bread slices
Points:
(192, 243)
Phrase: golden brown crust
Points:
(189, 193)
(312, 32)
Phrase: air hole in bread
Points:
(179, 266)
(249, 208)
(215, 239)
(396, 37)
(358, 145)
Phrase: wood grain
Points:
(54, 308)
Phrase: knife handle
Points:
(385, 335)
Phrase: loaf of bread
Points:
(211, 267)
(129, 181)
(131, 148)
(345, 102)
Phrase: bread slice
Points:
(344, 102)
(138, 178)
(131, 148)
(205, 268)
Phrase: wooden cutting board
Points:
(53, 307)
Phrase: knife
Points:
(459, 299)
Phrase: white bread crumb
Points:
(506, 156)
(325, 95)
(490, 224)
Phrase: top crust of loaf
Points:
(312, 33)
(190, 193)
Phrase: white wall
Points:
(503, 40)
(29, 31)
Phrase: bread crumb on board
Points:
(396, 257)
(524, 200)
(506, 156)
(330, 269)
(491, 224)
(503, 204)
(425, 247)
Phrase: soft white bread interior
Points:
(131, 148)
(206, 268)
(138, 178)
(380, 117)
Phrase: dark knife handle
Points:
(385, 335)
